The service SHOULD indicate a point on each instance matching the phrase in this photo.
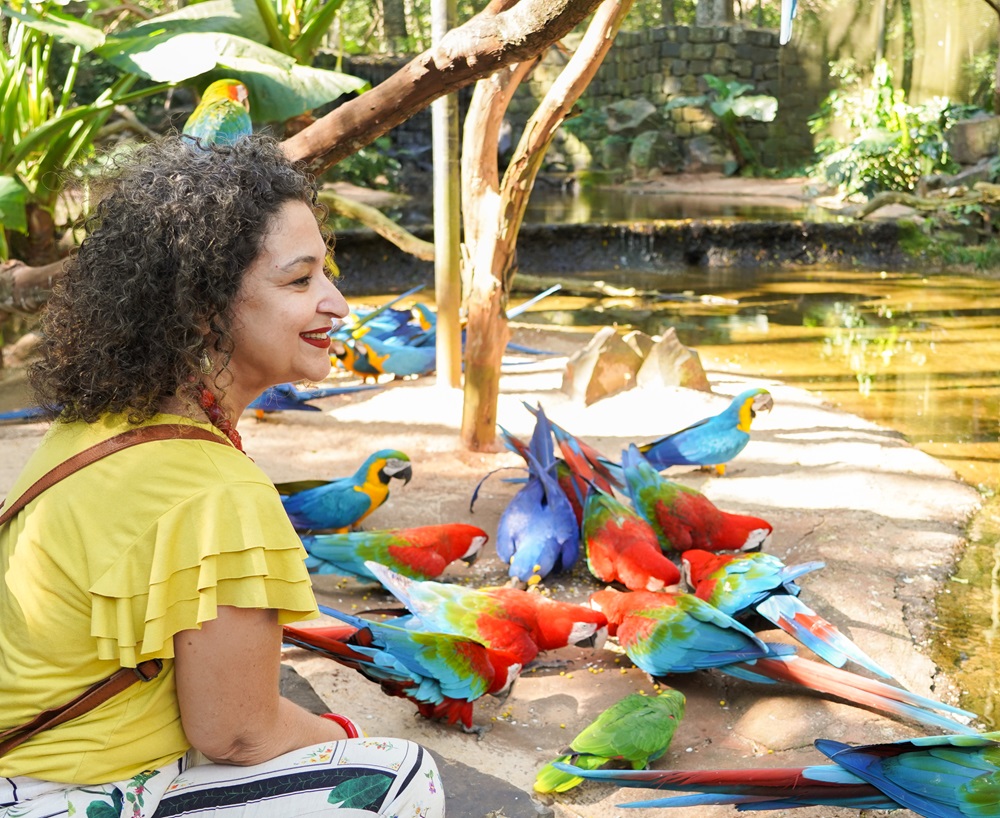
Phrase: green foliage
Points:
(726, 100)
(372, 166)
(980, 71)
(587, 122)
(888, 143)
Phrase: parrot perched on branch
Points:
(742, 583)
(341, 504)
(422, 552)
(712, 441)
(637, 729)
(684, 518)
(950, 776)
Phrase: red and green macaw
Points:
(510, 620)
(637, 729)
(223, 115)
(743, 583)
(422, 552)
(441, 673)
(622, 547)
(342, 504)
(664, 633)
(712, 441)
(950, 776)
(684, 518)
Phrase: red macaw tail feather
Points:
(853, 688)
(759, 789)
(821, 637)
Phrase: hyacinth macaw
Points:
(712, 441)
(762, 583)
(622, 547)
(665, 633)
(951, 776)
(223, 115)
(684, 518)
(538, 532)
(441, 673)
(420, 553)
(637, 729)
(286, 396)
(515, 622)
(341, 504)
(399, 359)
(29, 413)
(788, 8)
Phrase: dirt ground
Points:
(886, 519)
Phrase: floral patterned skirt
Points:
(390, 777)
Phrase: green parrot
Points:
(223, 115)
(637, 729)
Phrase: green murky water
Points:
(917, 354)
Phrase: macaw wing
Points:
(637, 728)
(335, 505)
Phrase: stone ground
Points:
(886, 519)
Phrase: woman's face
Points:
(284, 309)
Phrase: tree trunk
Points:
(25, 289)
(668, 14)
(494, 213)
(392, 28)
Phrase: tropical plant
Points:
(874, 139)
(728, 102)
(42, 131)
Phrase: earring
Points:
(205, 363)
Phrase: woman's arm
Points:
(227, 685)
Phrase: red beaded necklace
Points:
(208, 403)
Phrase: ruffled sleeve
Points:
(230, 544)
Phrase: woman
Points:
(201, 282)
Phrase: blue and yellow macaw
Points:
(342, 504)
(286, 396)
(399, 359)
(950, 776)
(712, 441)
(223, 115)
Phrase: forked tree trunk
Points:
(494, 211)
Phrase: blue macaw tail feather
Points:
(821, 637)
(788, 9)
(28, 413)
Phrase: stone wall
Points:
(657, 65)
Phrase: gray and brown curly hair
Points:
(165, 253)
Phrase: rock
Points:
(972, 139)
(473, 793)
(706, 153)
(629, 114)
(639, 341)
(654, 150)
(613, 152)
(605, 366)
(670, 363)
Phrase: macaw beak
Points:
(398, 469)
(762, 403)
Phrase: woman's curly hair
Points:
(164, 256)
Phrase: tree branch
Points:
(492, 39)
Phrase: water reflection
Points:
(917, 354)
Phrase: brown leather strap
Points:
(94, 695)
(142, 434)
(125, 677)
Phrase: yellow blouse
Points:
(103, 568)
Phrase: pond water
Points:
(918, 354)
